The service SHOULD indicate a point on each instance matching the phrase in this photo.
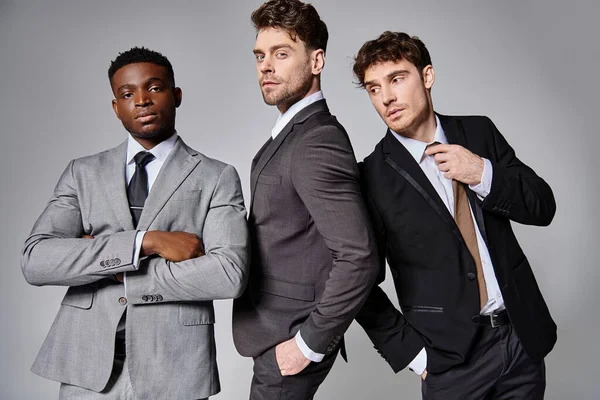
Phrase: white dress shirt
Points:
(160, 152)
(281, 122)
(443, 187)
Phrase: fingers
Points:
(439, 148)
(87, 237)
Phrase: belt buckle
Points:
(493, 321)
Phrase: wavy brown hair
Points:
(298, 19)
(391, 46)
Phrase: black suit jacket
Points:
(313, 252)
(430, 262)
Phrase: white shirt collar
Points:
(286, 117)
(417, 148)
(160, 151)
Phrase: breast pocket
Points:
(199, 313)
(187, 195)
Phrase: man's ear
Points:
(115, 108)
(317, 61)
(177, 94)
(428, 76)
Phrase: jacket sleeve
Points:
(517, 192)
(55, 254)
(325, 176)
(219, 274)
(392, 336)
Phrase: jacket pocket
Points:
(79, 296)
(290, 290)
(428, 309)
(201, 313)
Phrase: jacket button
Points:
(151, 297)
(145, 298)
(117, 261)
(102, 263)
(159, 297)
(476, 319)
(122, 300)
(471, 276)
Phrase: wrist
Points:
(150, 244)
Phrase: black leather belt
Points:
(120, 349)
(495, 320)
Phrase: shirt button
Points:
(471, 276)
(122, 300)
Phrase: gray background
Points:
(529, 65)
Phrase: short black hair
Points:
(140, 55)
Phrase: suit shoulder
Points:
(373, 160)
(93, 159)
(212, 164)
(468, 120)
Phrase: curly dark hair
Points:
(140, 55)
(390, 46)
(295, 17)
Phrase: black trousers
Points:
(497, 368)
(268, 384)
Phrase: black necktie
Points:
(137, 191)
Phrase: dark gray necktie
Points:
(137, 191)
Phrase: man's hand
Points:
(424, 375)
(172, 246)
(457, 163)
(289, 357)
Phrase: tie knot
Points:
(142, 158)
(432, 144)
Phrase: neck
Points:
(314, 88)
(425, 130)
(149, 143)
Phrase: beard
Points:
(289, 92)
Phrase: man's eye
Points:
(281, 55)
(127, 95)
(374, 90)
(398, 79)
(155, 89)
(259, 57)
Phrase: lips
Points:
(394, 112)
(146, 117)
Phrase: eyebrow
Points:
(148, 81)
(273, 48)
(389, 76)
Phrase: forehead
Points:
(136, 73)
(381, 70)
(269, 37)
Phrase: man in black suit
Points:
(442, 192)
(313, 254)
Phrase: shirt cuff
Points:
(419, 364)
(139, 238)
(308, 353)
(483, 188)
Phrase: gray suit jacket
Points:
(170, 315)
(313, 252)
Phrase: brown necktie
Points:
(464, 220)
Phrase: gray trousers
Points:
(268, 384)
(118, 387)
(497, 368)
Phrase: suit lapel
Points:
(455, 134)
(112, 176)
(261, 160)
(401, 161)
(178, 165)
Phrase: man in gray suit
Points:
(313, 251)
(145, 235)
